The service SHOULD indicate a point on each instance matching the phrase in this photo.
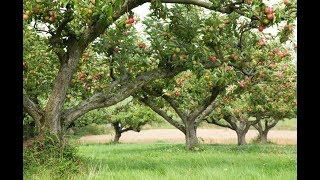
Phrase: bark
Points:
(241, 137)
(117, 130)
(263, 132)
(61, 85)
(263, 136)
(191, 135)
(117, 137)
(33, 110)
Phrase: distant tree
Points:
(130, 116)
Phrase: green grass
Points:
(172, 161)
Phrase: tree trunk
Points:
(191, 135)
(117, 129)
(61, 85)
(241, 137)
(117, 137)
(263, 136)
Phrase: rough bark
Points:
(263, 136)
(61, 85)
(33, 110)
(241, 135)
(191, 135)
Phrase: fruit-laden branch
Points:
(106, 99)
(214, 93)
(99, 26)
(214, 47)
(163, 114)
(32, 109)
(175, 105)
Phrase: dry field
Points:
(211, 136)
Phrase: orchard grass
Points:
(172, 161)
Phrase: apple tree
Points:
(270, 95)
(274, 101)
(71, 27)
(129, 116)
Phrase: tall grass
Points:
(172, 161)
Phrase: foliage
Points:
(51, 152)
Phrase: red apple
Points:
(241, 84)
(280, 75)
(81, 75)
(285, 2)
(260, 28)
(267, 10)
(131, 20)
(249, 2)
(270, 16)
(262, 43)
(93, 1)
(213, 58)
(178, 93)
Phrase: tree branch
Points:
(126, 129)
(105, 99)
(206, 112)
(32, 109)
(163, 114)
(174, 104)
(219, 124)
(273, 123)
(214, 93)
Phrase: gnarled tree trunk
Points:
(263, 132)
(68, 65)
(263, 136)
(191, 135)
(241, 135)
(242, 131)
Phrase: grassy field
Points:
(172, 161)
